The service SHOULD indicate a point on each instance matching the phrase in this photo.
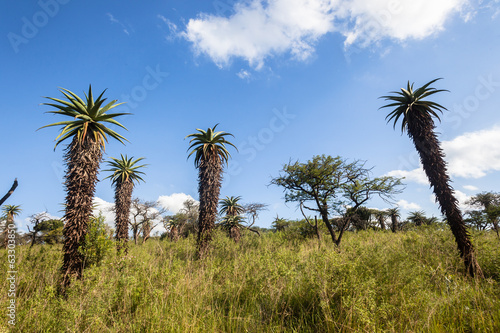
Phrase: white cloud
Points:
(471, 188)
(174, 202)
(415, 175)
(408, 205)
(474, 154)
(400, 20)
(243, 74)
(259, 29)
(462, 199)
(106, 209)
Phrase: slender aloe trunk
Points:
(210, 179)
(82, 161)
(123, 199)
(421, 130)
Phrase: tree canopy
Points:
(329, 185)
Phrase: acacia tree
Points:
(489, 205)
(88, 133)
(36, 220)
(252, 210)
(184, 222)
(124, 173)
(143, 216)
(211, 153)
(416, 116)
(332, 184)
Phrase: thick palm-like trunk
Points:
(421, 130)
(382, 223)
(394, 223)
(123, 198)
(82, 161)
(235, 234)
(210, 179)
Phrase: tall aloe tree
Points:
(416, 116)
(10, 211)
(88, 133)
(233, 225)
(232, 221)
(211, 152)
(124, 173)
(394, 214)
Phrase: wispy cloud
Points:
(470, 188)
(244, 74)
(260, 29)
(173, 31)
(114, 20)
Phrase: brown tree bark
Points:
(421, 131)
(82, 161)
(210, 178)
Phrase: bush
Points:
(98, 243)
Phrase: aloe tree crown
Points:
(409, 101)
(230, 206)
(393, 212)
(11, 210)
(124, 169)
(89, 117)
(231, 221)
(209, 144)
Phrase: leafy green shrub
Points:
(98, 243)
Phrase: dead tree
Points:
(5, 197)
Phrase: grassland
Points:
(375, 282)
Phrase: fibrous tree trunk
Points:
(394, 223)
(235, 234)
(421, 130)
(123, 198)
(210, 178)
(82, 161)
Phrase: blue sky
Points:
(289, 78)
